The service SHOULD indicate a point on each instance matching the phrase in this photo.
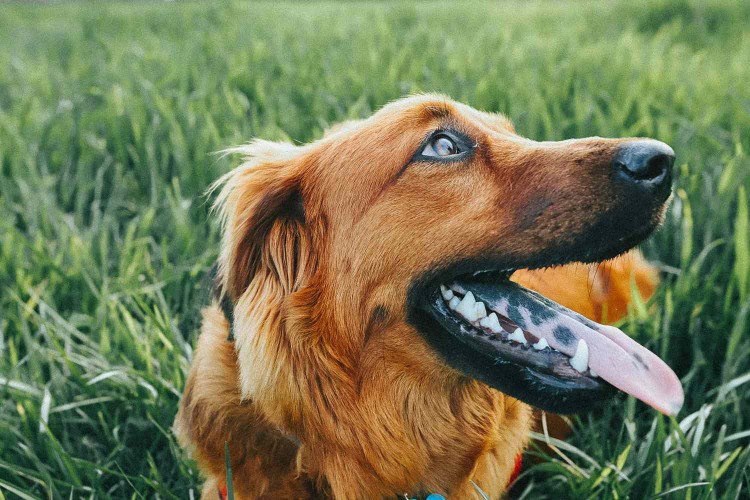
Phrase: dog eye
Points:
(441, 146)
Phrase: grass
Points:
(109, 114)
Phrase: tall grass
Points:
(109, 113)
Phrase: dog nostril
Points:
(649, 169)
(645, 162)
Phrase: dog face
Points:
(417, 217)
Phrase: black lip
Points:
(532, 377)
(543, 379)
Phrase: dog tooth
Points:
(467, 307)
(480, 310)
(493, 323)
(453, 303)
(593, 373)
(580, 360)
(542, 344)
(518, 336)
(446, 292)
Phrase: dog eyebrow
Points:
(437, 111)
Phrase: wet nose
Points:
(645, 163)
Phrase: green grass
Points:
(109, 114)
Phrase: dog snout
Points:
(645, 165)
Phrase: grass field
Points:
(109, 114)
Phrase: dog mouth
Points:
(533, 349)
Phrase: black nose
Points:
(646, 163)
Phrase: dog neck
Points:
(379, 416)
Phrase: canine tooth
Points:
(446, 292)
(593, 373)
(480, 310)
(542, 344)
(493, 323)
(453, 303)
(467, 307)
(580, 360)
(518, 336)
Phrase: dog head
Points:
(413, 221)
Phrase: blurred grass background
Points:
(110, 112)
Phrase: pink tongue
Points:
(613, 355)
(630, 367)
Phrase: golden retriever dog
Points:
(371, 338)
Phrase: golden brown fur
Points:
(328, 391)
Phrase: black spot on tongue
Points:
(514, 314)
(640, 361)
(563, 335)
(537, 312)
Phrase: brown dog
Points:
(379, 347)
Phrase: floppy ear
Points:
(265, 235)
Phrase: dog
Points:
(370, 338)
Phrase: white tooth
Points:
(593, 373)
(542, 344)
(467, 307)
(580, 360)
(518, 336)
(446, 292)
(484, 322)
(493, 323)
(453, 303)
(480, 310)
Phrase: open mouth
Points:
(536, 350)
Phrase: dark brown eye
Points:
(441, 146)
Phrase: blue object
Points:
(435, 496)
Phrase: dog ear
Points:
(263, 219)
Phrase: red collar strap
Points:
(513, 476)
(517, 464)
